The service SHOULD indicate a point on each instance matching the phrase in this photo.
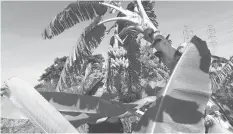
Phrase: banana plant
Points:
(80, 11)
(138, 18)
(138, 21)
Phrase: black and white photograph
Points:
(116, 66)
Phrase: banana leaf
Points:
(80, 109)
(27, 99)
(88, 41)
(181, 106)
(73, 14)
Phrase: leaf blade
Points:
(180, 108)
(73, 14)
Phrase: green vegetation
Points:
(132, 69)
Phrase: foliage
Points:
(53, 71)
(92, 75)
(19, 126)
(88, 41)
(225, 97)
(126, 81)
(78, 11)
(52, 74)
(50, 78)
(73, 14)
(124, 71)
(151, 64)
(131, 65)
(222, 76)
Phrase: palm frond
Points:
(74, 13)
(89, 40)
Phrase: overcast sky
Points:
(26, 55)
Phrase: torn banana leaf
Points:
(181, 106)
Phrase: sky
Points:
(26, 55)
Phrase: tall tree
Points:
(52, 73)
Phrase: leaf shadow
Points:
(88, 104)
(178, 110)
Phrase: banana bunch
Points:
(117, 52)
(118, 57)
(119, 62)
